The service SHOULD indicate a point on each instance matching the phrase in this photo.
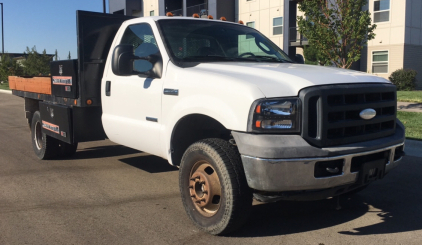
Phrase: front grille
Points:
(331, 113)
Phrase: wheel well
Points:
(31, 106)
(192, 128)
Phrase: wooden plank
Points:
(40, 85)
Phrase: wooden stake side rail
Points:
(41, 85)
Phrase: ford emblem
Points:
(368, 114)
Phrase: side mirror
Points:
(123, 59)
(299, 59)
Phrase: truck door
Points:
(132, 103)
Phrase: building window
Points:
(151, 13)
(381, 11)
(380, 62)
(251, 25)
(278, 26)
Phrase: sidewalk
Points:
(409, 106)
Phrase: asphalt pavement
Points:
(110, 194)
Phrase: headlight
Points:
(275, 115)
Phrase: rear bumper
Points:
(297, 170)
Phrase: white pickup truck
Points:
(223, 103)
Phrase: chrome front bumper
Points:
(278, 175)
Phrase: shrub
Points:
(404, 79)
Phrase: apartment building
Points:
(276, 19)
(215, 8)
(398, 40)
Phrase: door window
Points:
(141, 37)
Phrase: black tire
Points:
(45, 147)
(235, 199)
(68, 150)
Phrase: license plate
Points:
(372, 171)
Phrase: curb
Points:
(5, 91)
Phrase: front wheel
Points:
(213, 186)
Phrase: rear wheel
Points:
(45, 147)
(213, 186)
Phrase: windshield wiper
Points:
(256, 58)
(272, 59)
(207, 57)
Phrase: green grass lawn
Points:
(413, 124)
(4, 86)
(409, 96)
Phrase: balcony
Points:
(296, 39)
(177, 12)
(201, 9)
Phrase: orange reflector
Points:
(169, 14)
(241, 22)
(258, 109)
(210, 17)
(195, 15)
(75, 102)
(258, 124)
(89, 102)
(223, 18)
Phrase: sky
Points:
(46, 24)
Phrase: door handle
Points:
(108, 88)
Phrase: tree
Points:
(68, 56)
(9, 67)
(56, 56)
(337, 28)
(36, 64)
(313, 55)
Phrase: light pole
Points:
(104, 6)
(2, 32)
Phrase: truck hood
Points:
(284, 79)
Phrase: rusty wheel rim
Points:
(205, 188)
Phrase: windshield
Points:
(211, 41)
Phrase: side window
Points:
(141, 37)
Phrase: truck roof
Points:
(156, 18)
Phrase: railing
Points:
(177, 12)
(296, 38)
(201, 9)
